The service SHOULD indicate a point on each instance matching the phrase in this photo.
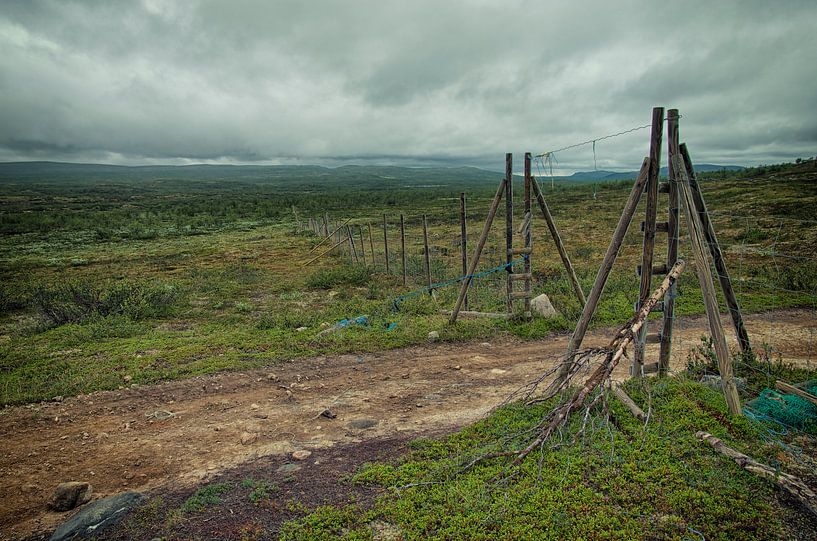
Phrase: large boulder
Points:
(542, 307)
(97, 516)
(69, 495)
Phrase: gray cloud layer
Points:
(415, 82)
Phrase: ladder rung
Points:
(660, 227)
(520, 276)
(520, 295)
(663, 187)
(658, 269)
(520, 251)
(653, 339)
(651, 368)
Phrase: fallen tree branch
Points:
(624, 398)
(791, 484)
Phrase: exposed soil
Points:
(180, 433)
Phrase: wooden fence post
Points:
(426, 252)
(362, 244)
(509, 227)
(527, 234)
(651, 214)
(386, 244)
(673, 227)
(464, 240)
(472, 266)
(371, 242)
(353, 252)
(704, 273)
(604, 271)
(403, 248)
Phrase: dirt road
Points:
(181, 432)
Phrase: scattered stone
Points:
(458, 367)
(28, 488)
(328, 414)
(303, 454)
(69, 495)
(486, 344)
(301, 329)
(128, 378)
(160, 415)
(497, 371)
(58, 398)
(97, 516)
(248, 438)
(714, 382)
(272, 377)
(363, 424)
(324, 325)
(288, 468)
(254, 406)
(541, 306)
(433, 336)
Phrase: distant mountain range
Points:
(603, 176)
(285, 174)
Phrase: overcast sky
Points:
(403, 82)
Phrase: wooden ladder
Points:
(650, 227)
(525, 276)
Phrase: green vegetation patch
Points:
(616, 479)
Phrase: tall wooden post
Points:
(472, 265)
(403, 248)
(645, 290)
(371, 242)
(717, 255)
(352, 251)
(604, 272)
(464, 240)
(426, 253)
(386, 244)
(362, 244)
(528, 235)
(673, 227)
(509, 226)
(326, 224)
(704, 272)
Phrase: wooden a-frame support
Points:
(531, 190)
(684, 192)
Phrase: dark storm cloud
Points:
(402, 82)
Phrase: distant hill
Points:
(603, 176)
(348, 175)
(361, 176)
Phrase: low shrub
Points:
(345, 275)
(76, 301)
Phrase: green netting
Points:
(787, 409)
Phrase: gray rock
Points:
(433, 336)
(97, 516)
(714, 382)
(362, 424)
(69, 495)
(541, 306)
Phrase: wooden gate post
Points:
(403, 247)
(386, 244)
(673, 227)
(649, 233)
(464, 240)
(509, 226)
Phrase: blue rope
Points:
(396, 302)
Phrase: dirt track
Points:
(180, 432)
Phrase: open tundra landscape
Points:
(388, 272)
